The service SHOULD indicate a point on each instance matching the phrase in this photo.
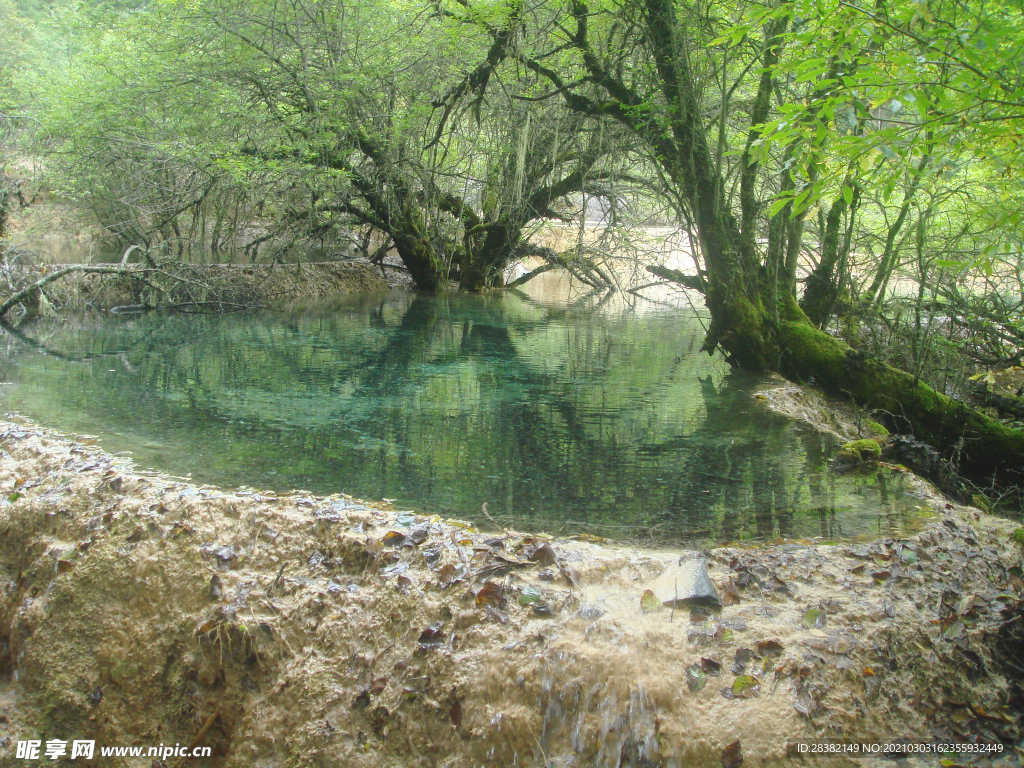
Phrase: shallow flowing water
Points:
(560, 414)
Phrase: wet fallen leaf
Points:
(571, 575)
(530, 594)
(455, 711)
(448, 574)
(544, 554)
(968, 605)
(419, 533)
(952, 627)
(649, 603)
(696, 678)
(730, 593)
(393, 539)
(543, 609)
(394, 569)
(804, 704)
(745, 687)
(732, 756)
(491, 594)
(769, 647)
(405, 582)
(710, 666)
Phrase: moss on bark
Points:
(981, 446)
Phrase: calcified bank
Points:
(307, 631)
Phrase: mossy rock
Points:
(858, 451)
(874, 429)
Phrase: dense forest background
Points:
(846, 173)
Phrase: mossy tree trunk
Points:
(755, 319)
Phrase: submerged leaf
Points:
(543, 609)
(732, 756)
(455, 712)
(804, 704)
(543, 554)
(710, 666)
(745, 687)
(490, 594)
(529, 595)
(696, 678)
(649, 603)
(730, 593)
(769, 647)
(432, 636)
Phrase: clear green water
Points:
(560, 416)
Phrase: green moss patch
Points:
(867, 449)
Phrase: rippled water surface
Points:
(561, 413)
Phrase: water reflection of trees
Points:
(450, 401)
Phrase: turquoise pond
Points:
(564, 414)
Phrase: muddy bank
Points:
(137, 285)
(294, 630)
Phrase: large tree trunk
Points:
(757, 322)
(755, 319)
